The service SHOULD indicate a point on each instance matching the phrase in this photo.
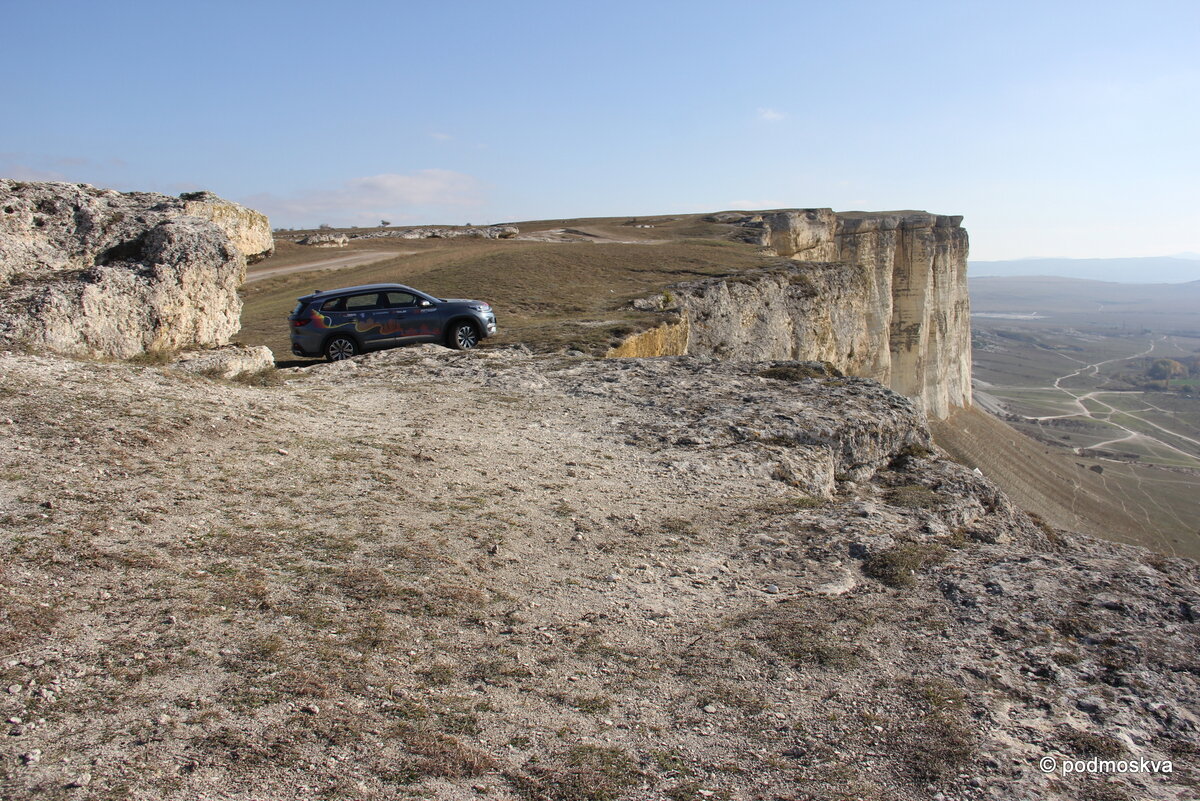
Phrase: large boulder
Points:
(96, 272)
(228, 362)
(249, 230)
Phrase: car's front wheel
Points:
(340, 348)
(464, 335)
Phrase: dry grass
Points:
(1089, 744)
(802, 371)
(913, 496)
(541, 291)
(827, 638)
(898, 566)
(443, 755)
(581, 773)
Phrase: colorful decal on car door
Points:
(389, 326)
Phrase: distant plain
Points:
(1053, 357)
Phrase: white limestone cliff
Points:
(878, 295)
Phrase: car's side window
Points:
(399, 300)
(335, 305)
(362, 302)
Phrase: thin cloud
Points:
(771, 115)
(68, 169)
(441, 137)
(363, 201)
(23, 172)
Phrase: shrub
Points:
(581, 773)
(913, 496)
(895, 567)
(799, 372)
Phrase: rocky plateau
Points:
(422, 573)
(740, 569)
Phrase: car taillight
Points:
(297, 322)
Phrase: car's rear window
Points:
(366, 302)
(299, 308)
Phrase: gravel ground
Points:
(446, 575)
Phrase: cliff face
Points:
(881, 296)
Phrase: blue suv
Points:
(340, 323)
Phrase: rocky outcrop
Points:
(96, 272)
(796, 422)
(324, 241)
(880, 295)
(442, 232)
(249, 230)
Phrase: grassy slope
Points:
(1124, 503)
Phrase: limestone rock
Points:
(95, 272)
(228, 362)
(803, 233)
(445, 232)
(325, 240)
(249, 230)
(879, 295)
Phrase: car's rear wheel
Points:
(340, 348)
(464, 335)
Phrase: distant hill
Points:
(1054, 295)
(1149, 270)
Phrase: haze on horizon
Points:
(1057, 130)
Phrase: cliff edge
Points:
(879, 295)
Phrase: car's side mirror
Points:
(424, 304)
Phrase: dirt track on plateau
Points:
(347, 260)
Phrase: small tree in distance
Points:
(1166, 369)
(384, 223)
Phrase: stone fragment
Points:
(228, 362)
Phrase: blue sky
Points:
(1057, 129)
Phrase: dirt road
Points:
(1108, 417)
(347, 260)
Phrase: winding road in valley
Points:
(1106, 417)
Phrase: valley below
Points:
(1072, 378)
